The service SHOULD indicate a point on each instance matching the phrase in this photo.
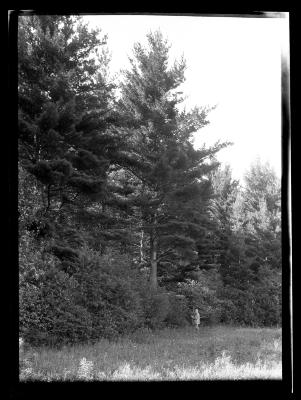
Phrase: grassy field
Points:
(171, 354)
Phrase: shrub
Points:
(267, 306)
(229, 313)
(178, 313)
(259, 304)
(155, 308)
(50, 314)
(238, 306)
(100, 299)
(108, 292)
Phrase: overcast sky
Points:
(232, 62)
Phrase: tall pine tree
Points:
(66, 117)
(168, 171)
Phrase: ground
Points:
(219, 352)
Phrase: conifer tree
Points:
(169, 172)
(65, 120)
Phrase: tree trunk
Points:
(102, 245)
(142, 247)
(154, 262)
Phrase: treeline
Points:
(123, 224)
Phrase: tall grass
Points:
(170, 354)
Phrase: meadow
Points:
(219, 352)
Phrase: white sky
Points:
(232, 62)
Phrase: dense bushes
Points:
(108, 293)
(257, 305)
(179, 312)
(49, 312)
(97, 300)
(107, 296)
(156, 308)
(238, 306)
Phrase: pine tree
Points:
(66, 117)
(169, 173)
